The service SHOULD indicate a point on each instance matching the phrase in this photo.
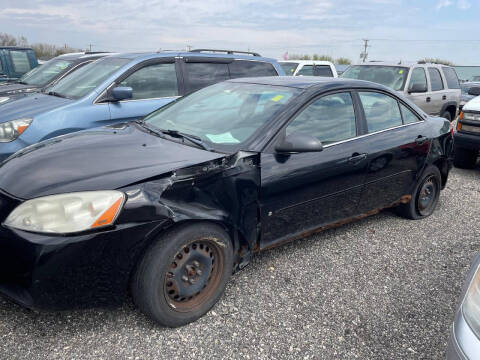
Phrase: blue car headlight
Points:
(471, 304)
(11, 130)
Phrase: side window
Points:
(323, 70)
(451, 77)
(330, 118)
(408, 116)
(435, 79)
(244, 68)
(200, 75)
(381, 111)
(153, 81)
(418, 77)
(306, 70)
(20, 61)
(1, 66)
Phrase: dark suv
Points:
(47, 74)
(15, 61)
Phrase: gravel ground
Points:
(380, 288)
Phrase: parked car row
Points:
(46, 75)
(117, 88)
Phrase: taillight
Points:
(451, 128)
(460, 117)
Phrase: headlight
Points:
(11, 130)
(471, 304)
(471, 116)
(67, 213)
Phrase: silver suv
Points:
(434, 88)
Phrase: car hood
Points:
(29, 106)
(99, 159)
(7, 89)
(473, 105)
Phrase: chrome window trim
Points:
(373, 133)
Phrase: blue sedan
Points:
(119, 88)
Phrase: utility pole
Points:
(90, 47)
(364, 54)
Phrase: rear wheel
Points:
(447, 116)
(183, 274)
(465, 158)
(424, 197)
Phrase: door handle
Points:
(444, 97)
(356, 157)
(428, 99)
(420, 140)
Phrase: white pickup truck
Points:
(308, 68)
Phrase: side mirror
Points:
(298, 143)
(120, 93)
(474, 91)
(417, 88)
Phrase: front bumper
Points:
(467, 141)
(58, 272)
(463, 344)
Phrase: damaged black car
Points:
(166, 208)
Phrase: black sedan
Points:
(167, 207)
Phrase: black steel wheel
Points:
(424, 197)
(194, 274)
(183, 274)
(428, 194)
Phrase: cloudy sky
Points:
(398, 29)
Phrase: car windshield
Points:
(44, 74)
(224, 115)
(393, 77)
(289, 67)
(86, 79)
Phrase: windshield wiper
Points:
(177, 134)
(54, 93)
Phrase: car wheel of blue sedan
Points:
(424, 197)
(183, 274)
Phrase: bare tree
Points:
(7, 40)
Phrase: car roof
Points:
(83, 55)
(307, 62)
(304, 82)
(15, 48)
(404, 64)
(153, 55)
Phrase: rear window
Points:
(451, 76)
(200, 75)
(323, 70)
(306, 70)
(20, 61)
(289, 67)
(245, 68)
(435, 79)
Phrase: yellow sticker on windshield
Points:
(400, 71)
(277, 98)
